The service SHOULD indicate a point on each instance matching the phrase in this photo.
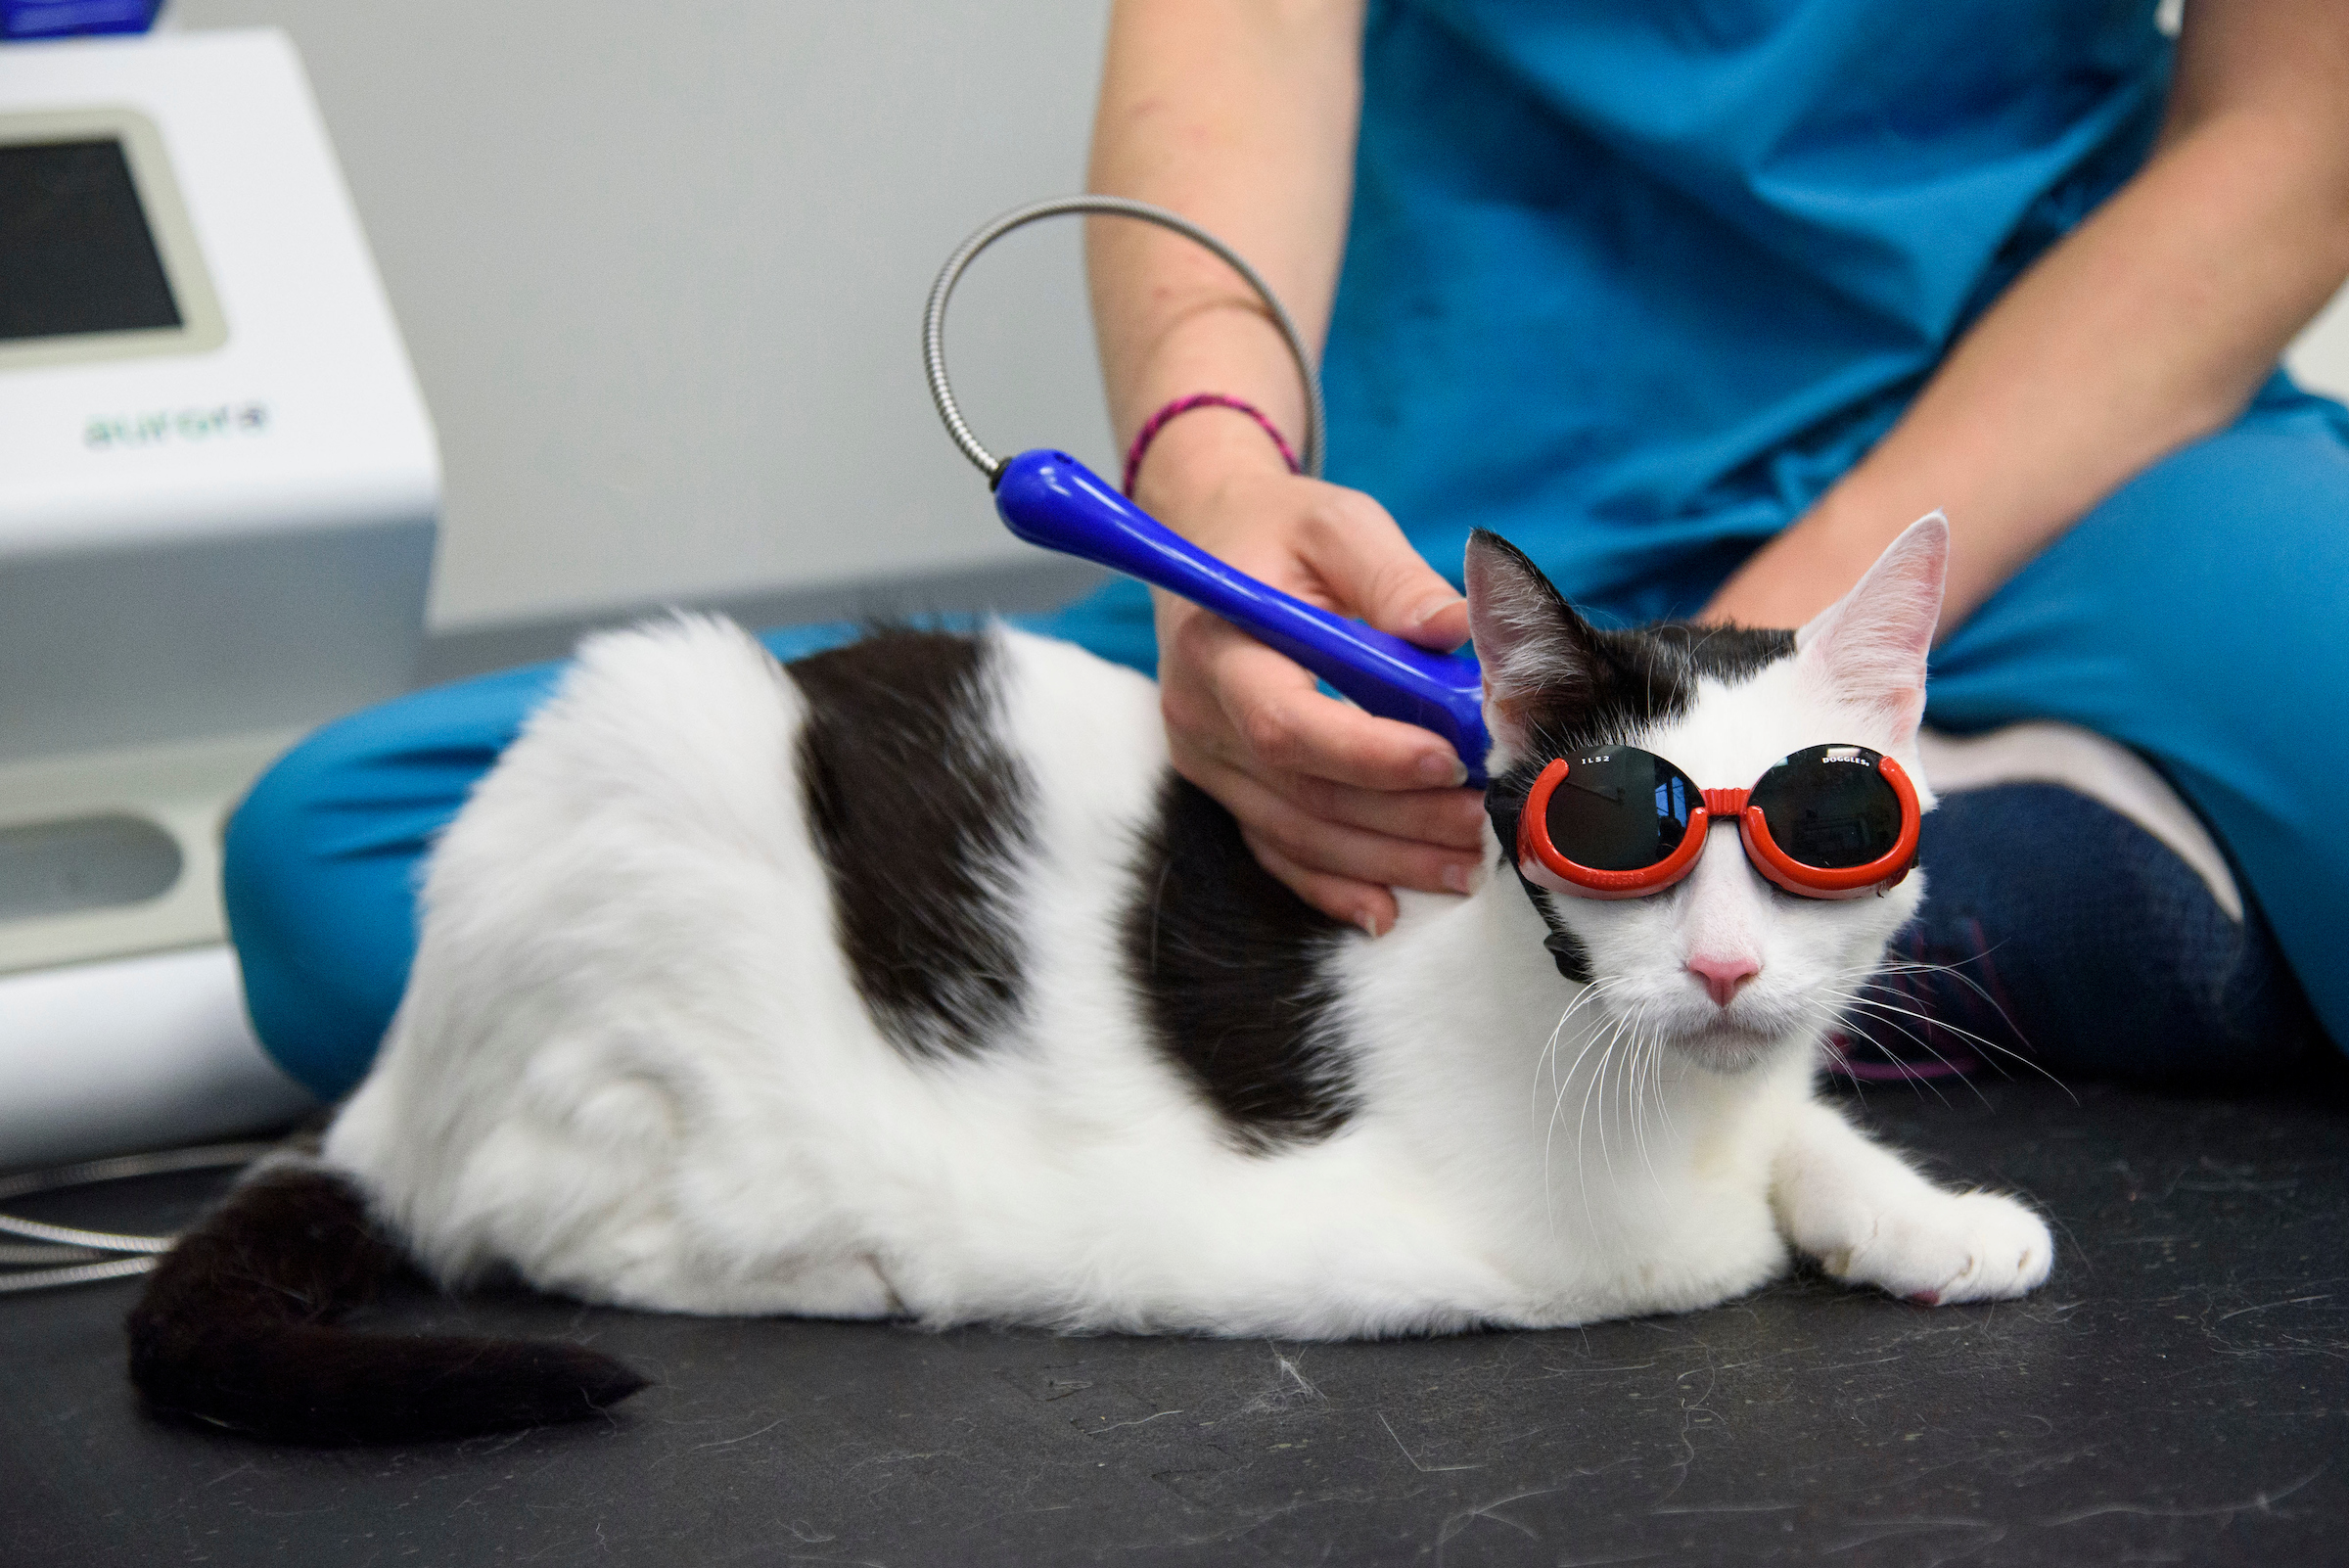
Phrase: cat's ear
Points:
(1527, 638)
(1870, 646)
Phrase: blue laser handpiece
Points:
(1049, 498)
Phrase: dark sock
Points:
(2057, 929)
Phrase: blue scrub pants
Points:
(2201, 617)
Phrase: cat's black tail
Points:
(237, 1328)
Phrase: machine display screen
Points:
(77, 255)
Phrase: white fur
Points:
(631, 1063)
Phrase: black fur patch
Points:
(236, 1329)
(1227, 963)
(1633, 678)
(917, 808)
(1724, 653)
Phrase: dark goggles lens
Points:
(1620, 808)
(1830, 808)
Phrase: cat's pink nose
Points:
(1723, 974)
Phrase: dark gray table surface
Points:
(2178, 1393)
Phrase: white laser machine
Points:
(218, 488)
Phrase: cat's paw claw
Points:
(1974, 1246)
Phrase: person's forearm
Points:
(1239, 115)
(2149, 327)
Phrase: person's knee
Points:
(2100, 950)
(286, 826)
(319, 863)
(265, 829)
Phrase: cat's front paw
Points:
(1949, 1247)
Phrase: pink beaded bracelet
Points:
(1182, 405)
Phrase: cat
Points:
(908, 981)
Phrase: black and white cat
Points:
(908, 982)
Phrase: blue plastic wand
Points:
(1049, 498)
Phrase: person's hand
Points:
(1337, 803)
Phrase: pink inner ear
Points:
(1521, 635)
(1871, 645)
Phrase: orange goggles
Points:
(1617, 822)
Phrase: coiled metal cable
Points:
(934, 316)
(83, 1255)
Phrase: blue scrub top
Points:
(1634, 284)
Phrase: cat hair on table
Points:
(908, 980)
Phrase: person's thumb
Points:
(1376, 574)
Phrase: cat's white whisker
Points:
(1663, 1097)
(1550, 1059)
(1642, 1060)
(1844, 1001)
(1582, 1142)
(1956, 972)
(1606, 1074)
(1561, 1084)
(1990, 1048)
(1910, 967)
(1614, 1026)
(1635, 1088)
(1549, 1054)
(1892, 1012)
(1856, 1011)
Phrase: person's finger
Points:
(1371, 570)
(1358, 903)
(1326, 848)
(1258, 711)
(1286, 725)
(1453, 818)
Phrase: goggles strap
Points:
(1565, 949)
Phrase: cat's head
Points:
(1723, 964)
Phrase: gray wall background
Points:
(2321, 358)
(660, 268)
